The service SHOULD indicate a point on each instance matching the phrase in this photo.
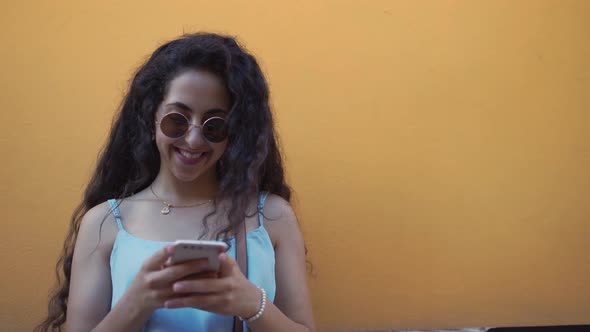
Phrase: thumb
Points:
(157, 260)
(226, 265)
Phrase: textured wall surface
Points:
(439, 149)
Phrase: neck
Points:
(169, 188)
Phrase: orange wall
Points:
(439, 149)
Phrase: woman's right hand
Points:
(152, 285)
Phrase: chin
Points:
(184, 177)
(194, 176)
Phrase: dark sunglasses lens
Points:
(215, 130)
(174, 125)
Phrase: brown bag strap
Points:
(242, 258)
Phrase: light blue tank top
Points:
(129, 252)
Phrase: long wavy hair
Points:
(130, 161)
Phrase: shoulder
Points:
(280, 219)
(96, 216)
(98, 228)
(277, 209)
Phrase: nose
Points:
(194, 136)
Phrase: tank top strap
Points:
(261, 201)
(115, 210)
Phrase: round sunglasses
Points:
(176, 125)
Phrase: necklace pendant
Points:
(166, 209)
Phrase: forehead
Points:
(199, 90)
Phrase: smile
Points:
(189, 158)
(190, 155)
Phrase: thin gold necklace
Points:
(167, 206)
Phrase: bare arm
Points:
(89, 299)
(292, 307)
(90, 284)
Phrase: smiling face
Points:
(198, 95)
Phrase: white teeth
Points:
(190, 155)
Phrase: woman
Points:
(192, 154)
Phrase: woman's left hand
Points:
(231, 293)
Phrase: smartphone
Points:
(186, 250)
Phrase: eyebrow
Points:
(180, 105)
(185, 107)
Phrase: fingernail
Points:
(177, 287)
(171, 304)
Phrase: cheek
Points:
(163, 143)
(220, 149)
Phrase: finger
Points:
(158, 259)
(226, 265)
(169, 274)
(163, 294)
(202, 286)
(197, 301)
(201, 275)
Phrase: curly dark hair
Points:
(130, 161)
